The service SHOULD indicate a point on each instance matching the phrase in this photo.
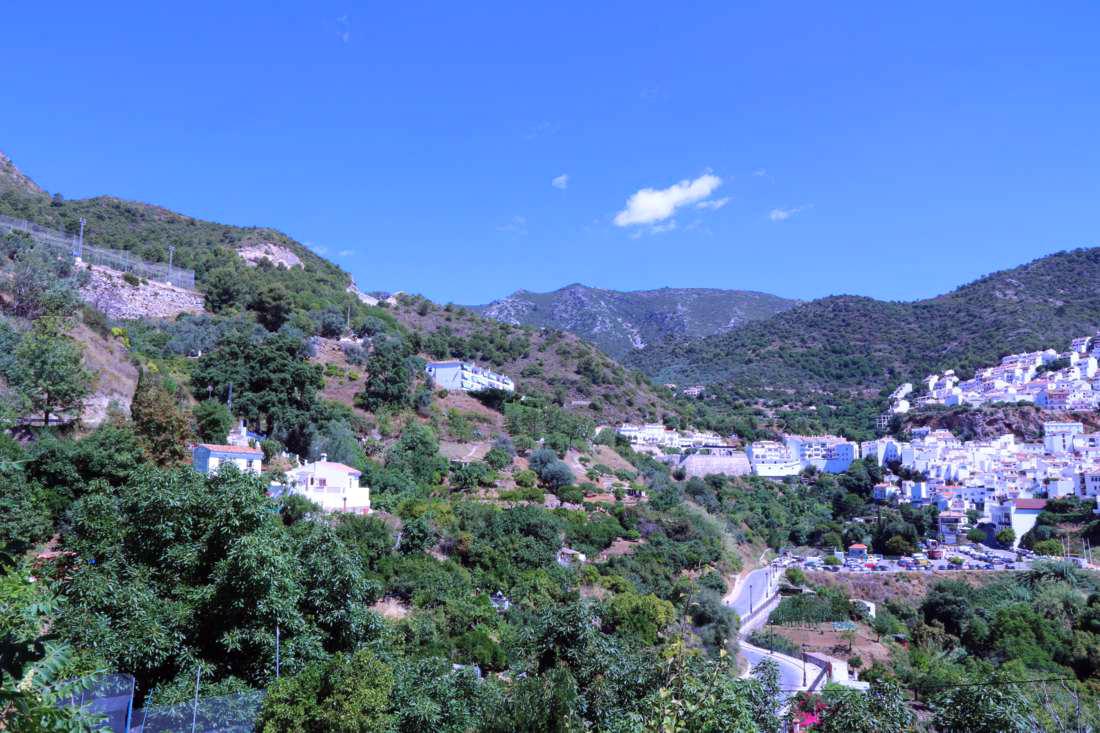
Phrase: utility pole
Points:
(803, 665)
(750, 598)
(195, 704)
(80, 242)
(171, 254)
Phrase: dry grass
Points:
(391, 608)
(880, 587)
(115, 375)
(824, 640)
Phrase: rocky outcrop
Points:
(126, 298)
(984, 423)
(253, 252)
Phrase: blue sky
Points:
(797, 148)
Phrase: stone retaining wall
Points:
(107, 291)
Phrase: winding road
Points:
(746, 597)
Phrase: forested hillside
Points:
(210, 249)
(845, 346)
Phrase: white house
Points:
(1019, 514)
(466, 377)
(825, 452)
(334, 486)
(770, 458)
(207, 458)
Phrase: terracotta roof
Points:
(216, 448)
(1031, 503)
(857, 547)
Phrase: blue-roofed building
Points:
(207, 458)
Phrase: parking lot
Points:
(954, 558)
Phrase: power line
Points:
(991, 683)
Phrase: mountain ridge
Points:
(858, 346)
(622, 321)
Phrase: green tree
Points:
(416, 455)
(271, 380)
(1048, 547)
(898, 545)
(24, 515)
(389, 375)
(271, 303)
(978, 709)
(159, 422)
(1006, 536)
(50, 373)
(348, 694)
(641, 617)
(34, 663)
(213, 421)
(882, 708)
(225, 288)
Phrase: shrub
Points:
(556, 475)
(1048, 547)
(498, 458)
(796, 576)
(774, 642)
(131, 279)
(525, 478)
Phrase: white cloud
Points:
(344, 34)
(517, 225)
(784, 214)
(345, 253)
(713, 204)
(316, 248)
(760, 172)
(650, 205)
(561, 181)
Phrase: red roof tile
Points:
(1031, 503)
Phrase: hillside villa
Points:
(466, 376)
(331, 485)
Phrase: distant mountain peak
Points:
(13, 179)
(620, 322)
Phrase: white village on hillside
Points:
(1053, 380)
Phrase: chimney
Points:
(324, 457)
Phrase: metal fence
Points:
(229, 714)
(107, 701)
(112, 258)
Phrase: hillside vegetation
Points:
(620, 322)
(557, 365)
(849, 346)
(210, 249)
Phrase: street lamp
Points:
(803, 665)
(750, 597)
